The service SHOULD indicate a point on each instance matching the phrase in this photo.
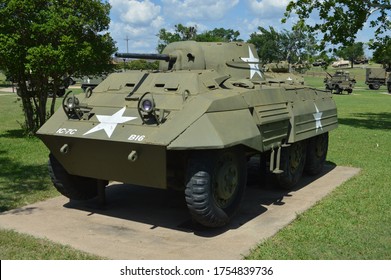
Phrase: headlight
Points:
(147, 105)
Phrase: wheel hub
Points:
(226, 184)
(295, 157)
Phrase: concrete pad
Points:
(143, 223)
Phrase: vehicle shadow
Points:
(167, 209)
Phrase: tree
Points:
(219, 35)
(298, 45)
(184, 33)
(293, 46)
(43, 41)
(382, 53)
(340, 20)
(351, 52)
(268, 45)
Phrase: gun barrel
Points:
(153, 56)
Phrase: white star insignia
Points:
(109, 123)
(318, 117)
(253, 62)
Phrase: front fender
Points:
(219, 130)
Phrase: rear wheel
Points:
(316, 153)
(292, 164)
(216, 182)
(71, 186)
(376, 86)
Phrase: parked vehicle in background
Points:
(341, 63)
(91, 82)
(361, 60)
(319, 62)
(376, 77)
(340, 81)
(66, 82)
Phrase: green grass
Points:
(21, 246)
(354, 222)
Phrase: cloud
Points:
(268, 8)
(186, 10)
(136, 20)
(136, 12)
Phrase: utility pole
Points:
(127, 43)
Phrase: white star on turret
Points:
(318, 118)
(253, 62)
(109, 123)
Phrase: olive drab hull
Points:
(209, 100)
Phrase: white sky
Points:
(141, 20)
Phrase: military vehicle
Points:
(61, 90)
(319, 62)
(340, 81)
(375, 77)
(341, 63)
(91, 82)
(191, 126)
(281, 72)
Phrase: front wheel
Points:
(216, 182)
(71, 186)
(376, 86)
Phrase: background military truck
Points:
(340, 81)
(376, 77)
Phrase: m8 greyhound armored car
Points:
(191, 126)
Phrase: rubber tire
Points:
(61, 92)
(201, 187)
(292, 164)
(316, 153)
(71, 186)
(376, 86)
(370, 86)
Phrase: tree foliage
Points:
(382, 53)
(184, 33)
(340, 20)
(42, 41)
(273, 46)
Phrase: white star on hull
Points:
(318, 118)
(253, 63)
(109, 123)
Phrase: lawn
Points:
(353, 222)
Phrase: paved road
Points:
(142, 223)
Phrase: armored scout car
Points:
(191, 126)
